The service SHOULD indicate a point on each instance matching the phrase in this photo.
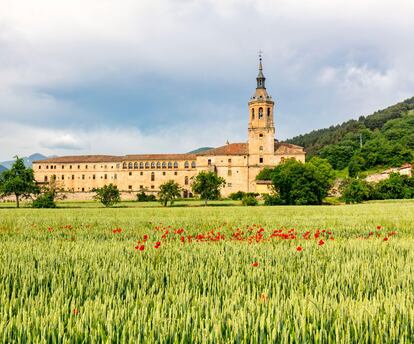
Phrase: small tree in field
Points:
(208, 185)
(108, 195)
(169, 191)
(18, 181)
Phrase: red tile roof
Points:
(81, 159)
(159, 157)
(230, 149)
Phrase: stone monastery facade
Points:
(237, 163)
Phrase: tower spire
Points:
(260, 77)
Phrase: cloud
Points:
(73, 71)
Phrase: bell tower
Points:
(261, 124)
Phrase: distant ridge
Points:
(27, 161)
(200, 150)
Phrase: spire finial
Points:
(260, 78)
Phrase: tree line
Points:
(385, 138)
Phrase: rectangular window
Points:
(40, 167)
(229, 173)
(164, 173)
(63, 167)
(83, 189)
(152, 186)
(73, 177)
(130, 173)
(70, 167)
(115, 176)
(229, 161)
(141, 173)
(141, 186)
(86, 166)
(105, 176)
(175, 173)
(229, 185)
(93, 177)
(130, 187)
(83, 176)
(78, 167)
(63, 177)
(209, 162)
(261, 160)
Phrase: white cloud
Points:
(348, 57)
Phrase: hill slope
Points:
(387, 138)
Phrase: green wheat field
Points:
(218, 274)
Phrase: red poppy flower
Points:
(141, 248)
(255, 264)
(299, 248)
(145, 238)
(75, 311)
(371, 233)
(385, 239)
(321, 242)
(378, 228)
(157, 244)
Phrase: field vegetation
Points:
(141, 272)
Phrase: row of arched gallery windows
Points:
(156, 165)
(261, 113)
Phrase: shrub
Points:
(143, 197)
(356, 190)
(237, 196)
(208, 185)
(46, 200)
(272, 199)
(108, 195)
(249, 200)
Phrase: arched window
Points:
(170, 164)
(130, 165)
(124, 165)
(175, 164)
(186, 180)
(141, 165)
(135, 165)
(252, 113)
(186, 164)
(193, 164)
(45, 178)
(147, 165)
(261, 148)
(152, 176)
(153, 165)
(268, 112)
(260, 112)
(158, 165)
(164, 165)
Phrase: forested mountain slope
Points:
(387, 138)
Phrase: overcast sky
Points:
(151, 76)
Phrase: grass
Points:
(66, 276)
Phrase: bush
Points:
(237, 196)
(108, 195)
(272, 199)
(249, 200)
(395, 187)
(143, 197)
(356, 191)
(46, 200)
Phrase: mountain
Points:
(27, 160)
(2, 168)
(200, 150)
(385, 138)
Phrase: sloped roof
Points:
(81, 159)
(230, 149)
(282, 148)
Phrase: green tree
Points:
(169, 191)
(18, 181)
(208, 185)
(298, 183)
(356, 190)
(395, 187)
(48, 195)
(108, 195)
